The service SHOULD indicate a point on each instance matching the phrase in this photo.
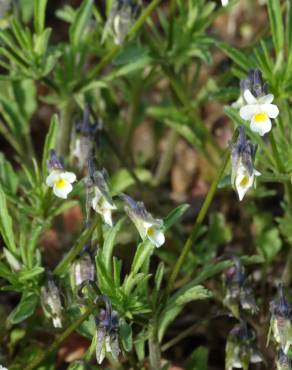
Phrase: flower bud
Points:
(241, 348)
(281, 327)
(51, 302)
(107, 325)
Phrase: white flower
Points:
(224, 2)
(153, 231)
(3, 368)
(244, 180)
(147, 226)
(61, 181)
(259, 112)
(103, 205)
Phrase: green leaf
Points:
(39, 15)
(8, 177)
(159, 276)
(109, 244)
(6, 229)
(144, 250)
(122, 179)
(237, 56)
(175, 215)
(126, 335)
(198, 360)
(50, 141)
(25, 308)
(276, 24)
(268, 241)
(166, 318)
(81, 20)
(193, 294)
(130, 53)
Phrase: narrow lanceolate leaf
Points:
(6, 229)
(276, 24)
(144, 250)
(175, 215)
(109, 244)
(237, 56)
(39, 15)
(50, 141)
(25, 308)
(193, 294)
(80, 22)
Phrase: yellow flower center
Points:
(60, 184)
(260, 117)
(244, 181)
(150, 231)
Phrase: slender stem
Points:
(201, 216)
(114, 51)
(154, 347)
(166, 158)
(77, 247)
(34, 364)
(66, 124)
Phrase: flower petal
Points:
(52, 178)
(107, 216)
(261, 127)
(271, 109)
(69, 176)
(267, 99)
(249, 98)
(64, 191)
(156, 236)
(248, 111)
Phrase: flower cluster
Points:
(255, 107)
(99, 199)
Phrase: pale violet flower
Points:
(243, 172)
(59, 179)
(244, 180)
(259, 112)
(107, 332)
(61, 182)
(224, 2)
(98, 194)
(147, 226)
(122, 16)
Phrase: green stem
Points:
(66, 123)
(154, 347)
(54, 346)
(201, 216)
(114, 51)
(76, 249)
(166, 158)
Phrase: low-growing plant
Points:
(103, 264)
